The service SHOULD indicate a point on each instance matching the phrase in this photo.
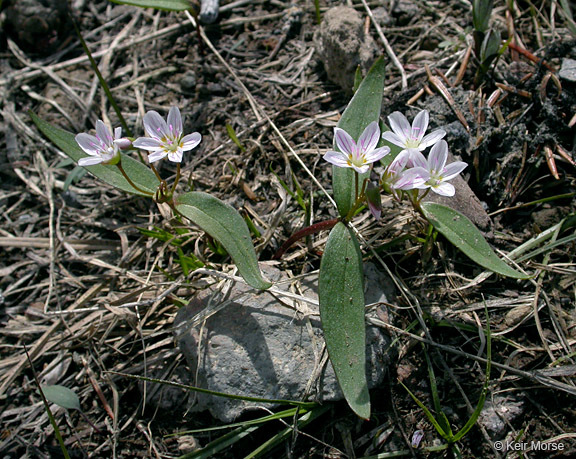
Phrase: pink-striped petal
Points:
(88, 143)
(420, 124)
(344, 142)
(417, 159)
(369, 138)
(444, 189)
(399, 162)
(412, 178)
(90, 161)
(175, 156)
(156, 156)
(336, 158)
(155, 125)
(431, 138)
(148, 143)
(175, 122)
(191, 141)
(438, 156)
(393, 138)
(400, 125)
(377, 154)
(453, 169)
(360, 169)
(103, 133)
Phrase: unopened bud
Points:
(373, 200)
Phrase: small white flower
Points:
(411, 138)
(102, 148)
(436, 169)
(395, 177)
(166, 138)
(359, 155)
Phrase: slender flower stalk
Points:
(357, 155)
(166, 138)
(129, 180)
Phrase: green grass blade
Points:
(302, 422)
(102, 81)
(290, 413)
(218, 394)
(480, 405)
(234, 137)
(221, 443)
(443, 421)
(428, 414)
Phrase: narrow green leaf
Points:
(480, 405)
(341, 296)
(226, 225)
(141, 175)
(428, 414)
(62, 396)
(168, 5)
(232, 134)
(461, 232)
(364, 108)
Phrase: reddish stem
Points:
(315, 228)
(528, 55)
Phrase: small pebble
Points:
(568, 70)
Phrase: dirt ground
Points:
(88, 294)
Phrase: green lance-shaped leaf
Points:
(168, 5)
(341, 296)
(62, 396)
(226, 225)
(140, 174)
(364, 108)
(461, 232)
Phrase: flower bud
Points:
(373, 200)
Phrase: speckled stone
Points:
(265, 346)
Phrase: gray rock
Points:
(498, 413)
(262, 345)
(568, 70)
(342, 45)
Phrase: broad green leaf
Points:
(461, 232)
(62, 396)
(169, 5)
(140, 174)
(364, 108)
(341, 296)
(226, 225)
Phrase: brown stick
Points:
(315, 228)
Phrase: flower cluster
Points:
(410, 170)
(164, 139)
